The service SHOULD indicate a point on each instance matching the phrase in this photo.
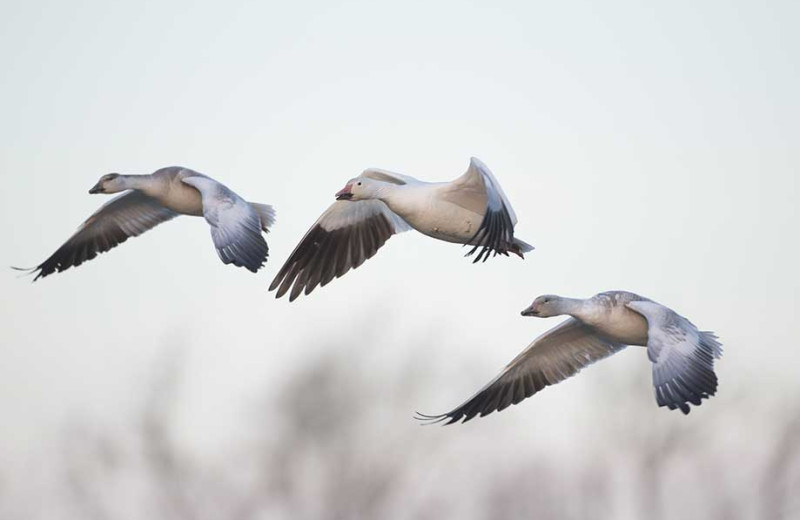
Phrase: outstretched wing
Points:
(127, 215)
(341, 239)
(479, 191)
(235, 225)
(554, 356)
(682, 357)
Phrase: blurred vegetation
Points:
(326, 446)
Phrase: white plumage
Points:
(470, 210)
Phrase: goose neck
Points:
(572, 306)
(134, 182)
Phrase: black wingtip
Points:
(493, 235)
(274, 285)
(27, 271)
(428, 420)
(253, 268)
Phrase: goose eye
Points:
(358, 184)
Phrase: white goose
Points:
(149, 200)
(682, 356)
(471, 210)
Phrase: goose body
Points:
(427, 209)
(149, 200)
(470, 210)
(167, 188)
(682, 356)
(609, 314)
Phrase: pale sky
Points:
(651, 147)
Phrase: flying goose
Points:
(682, 356)
(471, 210)
(149, 200)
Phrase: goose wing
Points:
(341, 239)
(682, 356)
(479, 191)
(554, 356)
(235, 225)
(127, 215)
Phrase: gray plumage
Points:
(235, 226)
(682, 357)
(149, 200)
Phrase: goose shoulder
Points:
(616, 299)
(609, 305)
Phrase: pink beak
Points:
(345, 193)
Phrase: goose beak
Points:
(530, 311)
(345, 193)
(97, 188)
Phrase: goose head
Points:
(109, 183)
(360, 188)
(544, 307)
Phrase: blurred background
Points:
(650, 147)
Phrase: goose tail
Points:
(266, 213)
